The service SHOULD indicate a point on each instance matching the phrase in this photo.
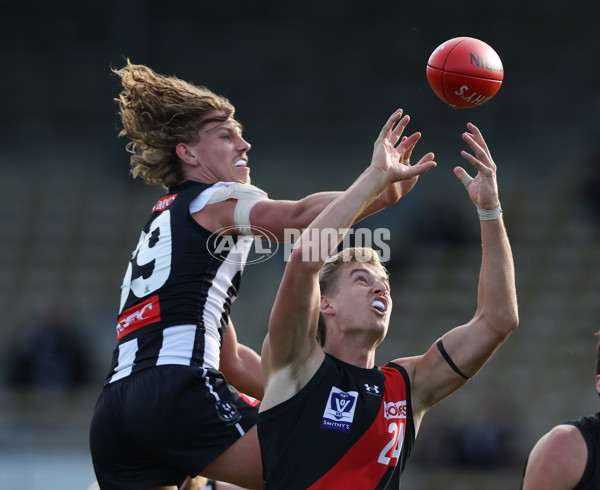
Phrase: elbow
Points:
(512, 322)
(230, 367)
(501, 320)
(512, 316)
(505, 322)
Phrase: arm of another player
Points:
(470, 346)
(557, 461)
(240, 365)
(277, 216)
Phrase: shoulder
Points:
(222, 191)
(407, 364)
(226, 204)
(285, 382)
(558, 459)
(564, 438)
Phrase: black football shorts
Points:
(162, 424)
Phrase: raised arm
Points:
(468, 347)
(277, 216)
(291, 353)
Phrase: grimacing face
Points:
(362, 298)
(221, 152)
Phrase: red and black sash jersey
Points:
(349, 427)
(178, 289)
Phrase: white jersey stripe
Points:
(127, 352)
(217, 295)
(177, 346)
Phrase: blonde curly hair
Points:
(157, 113)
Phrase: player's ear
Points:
(327, 307)
(185, 154)
(598, 384)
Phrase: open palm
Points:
(392, 153)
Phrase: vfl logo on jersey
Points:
(339, 411)
(395, 410)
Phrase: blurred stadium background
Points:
(313, 83)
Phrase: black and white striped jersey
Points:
(178, 287)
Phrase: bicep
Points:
(286, 219)
(278, 217)
(468, 347)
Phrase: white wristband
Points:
(484, 214)
(488, 214)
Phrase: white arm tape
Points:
(247, 196)
(489, 214)
(466, 179)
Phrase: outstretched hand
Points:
(483, 189)
(392, 154)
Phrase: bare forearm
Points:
(240, 365)
(333, 222)
(279, 216)
(391, 195)
(245, 375)
(310, 207)
(497, 298)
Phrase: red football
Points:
(465, 72)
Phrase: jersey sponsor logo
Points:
(395, 410)
(339, 410)
(164, 202)
(138, 315)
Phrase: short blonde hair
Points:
(157, 113)
(330, 274)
